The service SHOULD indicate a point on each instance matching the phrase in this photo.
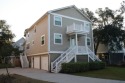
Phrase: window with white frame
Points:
(57, 38)
(42, 39)
(28, 46)
(87, 26)
(57, 20)
(88, 41)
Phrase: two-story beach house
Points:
(60, 35)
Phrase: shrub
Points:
(81, 67)
(74, 67)
(6, 65)
(96, 65)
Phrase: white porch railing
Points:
(92, 55)
(53, 64)
(66, 57)
(69, 54)
(78, 28)
(82, 50)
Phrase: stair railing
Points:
(53, 64)
(67, 58)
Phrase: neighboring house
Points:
(60, 35)
(114, 57)
(15, 59)
(20, 44)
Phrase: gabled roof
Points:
(54, 11)
(72, 6)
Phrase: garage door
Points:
(44, 62)
(37, 62)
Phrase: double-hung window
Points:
(57, 38)
(28, 46)
(88, 41)
(42, 39)
(87, 26)
(58, 21)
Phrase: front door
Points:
(72, 42)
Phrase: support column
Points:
(76, 47)
(86, 46)
(70, 41)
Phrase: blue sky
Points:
(21, 14)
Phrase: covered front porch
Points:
(80, 42)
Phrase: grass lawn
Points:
(115, 73)
(21, 79)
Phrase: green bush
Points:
(6, 65)
(81, 67)
(96, 65)
(74, 67)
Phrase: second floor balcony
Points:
(78, 28)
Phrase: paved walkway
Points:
(58, 78)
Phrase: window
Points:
(28, 34)
(88, 41)
(43, 40)
(57, 21)
(87, 26)
(28, 46)
(35, 29)
(57, 38)
(33, 42)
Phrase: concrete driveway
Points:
(58, 78)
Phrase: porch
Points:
(78, 28)
(75, 32)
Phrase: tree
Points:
(6, 37)
(6, 34)
(122, 8)
(107, 28)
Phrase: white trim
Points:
(90, 41)
(41, 40)
(102, 52)
(55, 19)
(60, 8)
(49, 63)
(56, 52)
(61, 38)
(48, 32)
(70, 7)
(55, 14)
(47, 53)
(76, 43)
(111, 51)
(38, 53)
